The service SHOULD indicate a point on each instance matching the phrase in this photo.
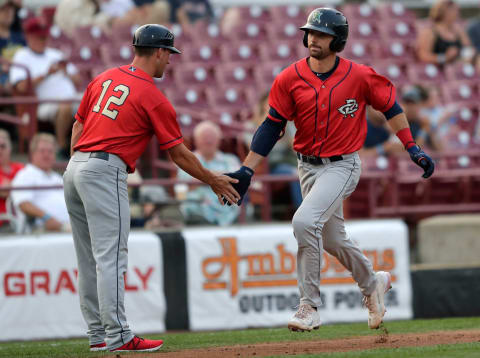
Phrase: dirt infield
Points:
(383, 340)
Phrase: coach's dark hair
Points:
(145, 51)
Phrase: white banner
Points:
(246, 276)
(39, 298)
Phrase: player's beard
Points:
(319, 53)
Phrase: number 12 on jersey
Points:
(111, 113)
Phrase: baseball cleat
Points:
(305, 319)
(374, 302)
(98, 347)
(138, 344)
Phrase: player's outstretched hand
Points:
(224, 187)
(244, 176)
(420, 158)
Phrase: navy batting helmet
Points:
(153, 35)
(329, 21)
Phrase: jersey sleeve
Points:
(381, 92)
(165, 125)
(280, 99)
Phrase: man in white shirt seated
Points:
(47, 207)
(202, 206)
(52, 78)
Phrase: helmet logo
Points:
(349, 108)
(315, 17)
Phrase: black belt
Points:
(317, 160)
(99, 155)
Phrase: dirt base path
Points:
(383, 340)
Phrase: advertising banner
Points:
(246, 276)
(39, 297)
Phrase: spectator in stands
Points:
(106, 14)
(10, 40)
(8, 170)
(445, 41)
(380, 140)
(45, 208)
(412, 104)
(52, 78)
(282, 159)
(187, 12)
(202, 206)
(441, 118)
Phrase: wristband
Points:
(405, 136)
(45, 218)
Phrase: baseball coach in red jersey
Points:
(326, 96)
(120, 112)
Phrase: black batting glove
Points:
(244, 176)
(420, 158)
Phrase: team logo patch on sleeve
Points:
(349, 108)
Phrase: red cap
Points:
(35, 26)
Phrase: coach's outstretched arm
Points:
(399, 124)
(220, 184)
(263, 141)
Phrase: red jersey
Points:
(329, 115)
(5, 179)
(120, 111)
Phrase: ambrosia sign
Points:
(246, 276)
(277, 268)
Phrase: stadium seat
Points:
(393, 11)
(397, 49)
(265, 74)
(283, 31)
(250, 31)
(280, 51)
(427, 74)
(364, 30)
(209, 32)
(90, 36)
(245, 52)
(461, 92)
(461, 71)
(361, 51)
(360, 12)
(59, 40)
(395, 71)
(188, 97)
(113, 54)
(202, 53)
(237, 74)
(399, 29)
(232, 98)
(196, 74)
(254, 14)
(288, 14)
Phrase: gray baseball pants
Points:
(97, 202)
(319, 222)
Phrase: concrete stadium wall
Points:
(449, 239)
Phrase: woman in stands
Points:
(445, 41)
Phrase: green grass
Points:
(187, 340)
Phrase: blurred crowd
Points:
(44, 54)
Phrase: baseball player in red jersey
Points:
(120, 111)
(326, 95)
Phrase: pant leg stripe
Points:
(118, 252)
